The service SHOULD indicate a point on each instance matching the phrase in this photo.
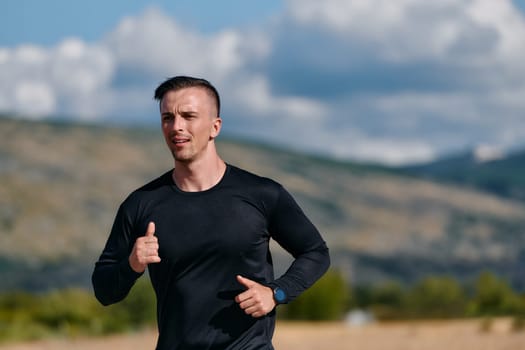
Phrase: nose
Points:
(177, 123)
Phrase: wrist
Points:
(135, 265)
(127, 270)
(279, 294)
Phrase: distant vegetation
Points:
(504, 176)
(328, 299)
(72, 312)
(441, 297)
(413, 242)
(433, 297)
(61, 183)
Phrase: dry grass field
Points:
(428, 335)
(65, 182)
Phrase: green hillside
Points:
(504, 177)
(60, 186)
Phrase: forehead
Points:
(191, 98)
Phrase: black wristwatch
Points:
(279, 295)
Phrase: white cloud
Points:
(51, 81)
(419, 29)
(33, 98)
(81, 69)
(389, 151)
(30, 55)
(446, 73)
(383, 80)
(156, 44)
(254, 94)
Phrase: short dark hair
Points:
(182, 82)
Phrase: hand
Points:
(145, 251)
(257, 300)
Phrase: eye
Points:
(167, 117)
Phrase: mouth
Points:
(179, 140)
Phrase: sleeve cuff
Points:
(280, 295)
(127, 272)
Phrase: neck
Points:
(198, 175)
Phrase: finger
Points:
(242, 297)
(254, 311)
(150, 231)
(151, 252)
(146, 248)
(146, 255)
(151, 244)
(245, 302)
(250, 310)
(153, 259)
(248, 283)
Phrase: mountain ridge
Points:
(61, 184)
(502, 175)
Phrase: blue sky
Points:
(390, 81)
(48, 22)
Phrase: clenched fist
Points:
(257, 300)
(145, 251)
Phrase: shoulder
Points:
(151, 189)
(160, 182)
(258, 190)
(247, 178)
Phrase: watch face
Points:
(280, 295)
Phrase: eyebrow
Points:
(188, 112)
(188, 108)
(171, 114)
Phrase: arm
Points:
(295, 233)
(291, 228)
(113, 276)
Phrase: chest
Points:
(213, 225)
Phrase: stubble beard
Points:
(182, 156)
(189, 153)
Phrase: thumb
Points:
(245, 281)
(150, 231)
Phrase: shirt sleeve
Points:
(113, 276)
(290, 227)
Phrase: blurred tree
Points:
(493, 296)
(387, 300)
(436, 297)
(136, 310)
(328, 299)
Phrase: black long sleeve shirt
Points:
(206, 239)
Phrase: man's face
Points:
(189, 122)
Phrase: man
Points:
(202, 229)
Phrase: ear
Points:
(215, 128)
